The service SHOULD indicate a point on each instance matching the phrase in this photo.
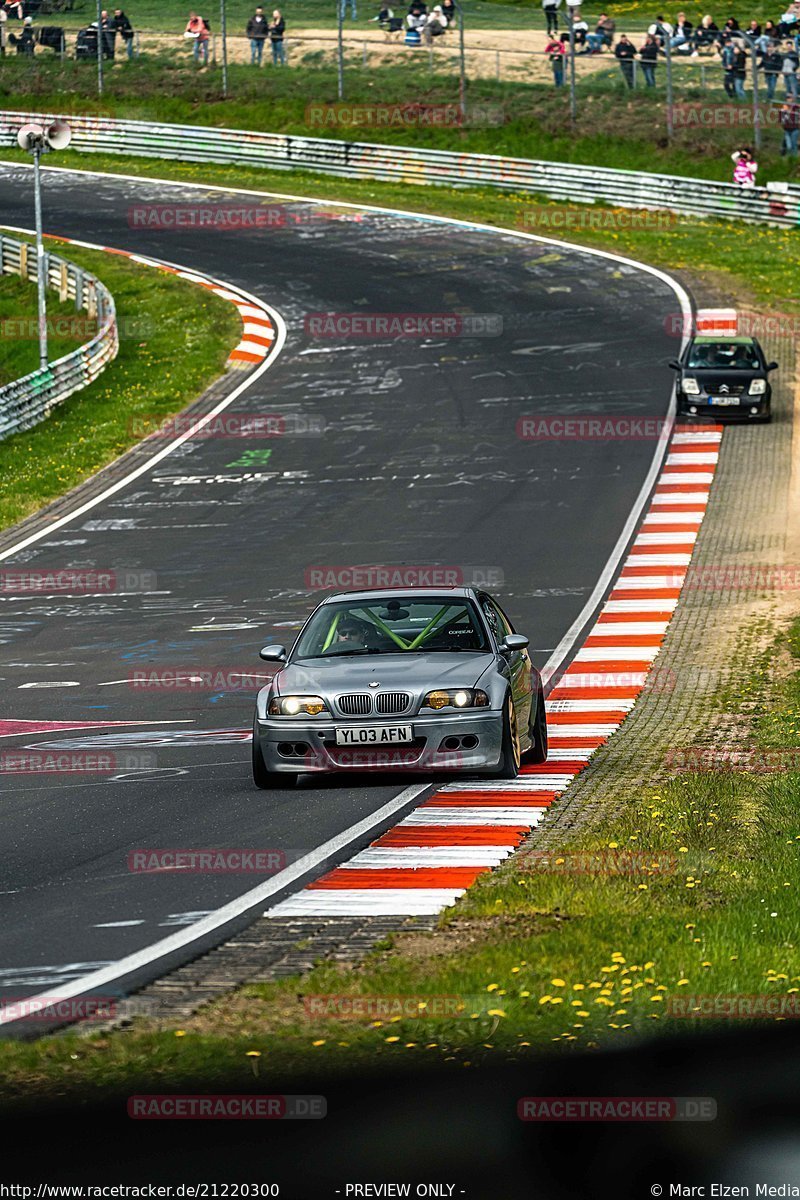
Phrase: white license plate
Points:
(374, 735)
(724, 401)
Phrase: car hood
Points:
(411, 672)
(713, 379)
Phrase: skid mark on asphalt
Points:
(431, 857)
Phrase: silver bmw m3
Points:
(428, 680)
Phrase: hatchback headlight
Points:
(456, 698)
(691, 387)
(292, 706)
(758, 387)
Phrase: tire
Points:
(538, 732)
(510, 757)
(269, 780)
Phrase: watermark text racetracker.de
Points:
(562, 216)
(588, 427)
(366, 576)
(398, 116)
(73, 762)
(52, 1008)
(229, 425)
(363, 326)
(75, 580)
(224, 678)
(617, 1108)
(221, 861)
(225, 1107)
(784, 326)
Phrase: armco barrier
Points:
(777, 204)
(29, 400)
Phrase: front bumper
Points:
(749, 408)
(310, 746)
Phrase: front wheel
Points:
(510, 757)
(268, 780)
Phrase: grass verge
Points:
(519, 118)
(19, 328)
(688, 898)
(173, 344)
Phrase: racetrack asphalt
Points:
(419, 463)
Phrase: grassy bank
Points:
(93, 427)
(613, 127)
(688, 897)
(19, 329)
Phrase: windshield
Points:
(392, 626)
(738, 356)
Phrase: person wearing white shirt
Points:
(550, 8)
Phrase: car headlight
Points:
(291, 706)
(758, 387)
(691, 387)
(456, 698)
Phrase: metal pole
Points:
(99, 47)
(40, 262)
(340, 48)
(756, 108)
(573, 108)
(462, 78)
(668, 52)
(223, 31)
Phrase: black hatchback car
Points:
(724, 377)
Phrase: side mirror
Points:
(676, 366)
(773, 366)
(273, 654)
(513, 642)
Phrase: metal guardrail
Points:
(29, 400)
(775, 204)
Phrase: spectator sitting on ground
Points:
(788, 22)
(580, 31)
(625, 53)
(387, 21)
(449, 10)
(706, 36)
(661, 30)
(603, 34)
(769, 34)
(730, 27)
(435, 24)
(753, 30)
(123, 27)
(26, 42)
(416, 18)
(681, 39)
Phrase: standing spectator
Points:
(556, 51)
(197, 29)
(789, 70)
(3, 38)
(789, 118)
(123, 27)
(550, 8)
(277, 28)
(745, 168)
(603, 34)
(343, 8)
(682, 33)
(771, 64)
(625, 53)
(257, 31)
(26, 42)
(15, 8)
(734, 66)
(648, 53)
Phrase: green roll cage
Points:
(447, 613)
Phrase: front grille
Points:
(356, 704)
(731, 389)
(392, 702)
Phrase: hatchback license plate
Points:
(724, 401)
(371, 735)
